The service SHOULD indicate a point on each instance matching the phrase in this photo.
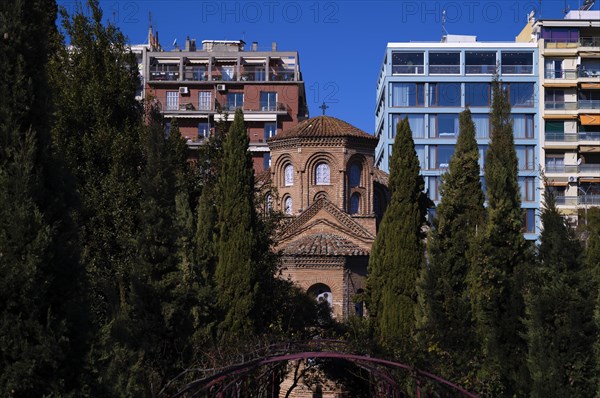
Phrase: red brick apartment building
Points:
(201, 86)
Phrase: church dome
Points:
(322, 127)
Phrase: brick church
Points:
(323, 177)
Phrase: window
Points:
(480, 62)
(526, 157)
(439, 156)
(354, 203)
(555, 130)
(521, 94)
(415, 121)
(205, 100)
(482, 125)
(172, 100)
(408, 94)
(266, 160)
(529, 223)
(444, 94)
(477, 94)
(482, 156)
(527, 188)
(354, 175)
(408, 63)
(553, 68)
(554, 99)
(523, 126)
(443, 126)
(433, 188)
(289, 175)
(555, 163)
(270, 130)
(268, 101)
(168, 129)
(322, 174)
(235, 100)
(287, 205)
(203, 130)
(227, 72)
(564, 35)
(444, 63)
(517, 63)
(269, 202)
(420, 150)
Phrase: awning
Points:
(167, 60)
(591, 86)
(185, 116)
(589, 149)
(197, 61)
(589, 54)
(593, 179)
(557, 183)
(590, 120)
(255, 61)
(549, 84)
(559, 117)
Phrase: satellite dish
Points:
(579, 161)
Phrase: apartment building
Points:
(200, 86)
(569, 102)
(431, 83)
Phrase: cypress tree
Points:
(97, 132)
(559, 320)
(397, 255)
(447, 325)
(496, 277)
(40, 317)
(237, 272)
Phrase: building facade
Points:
(200, 86)
(431, 83)
(569, 102)
(323, 177)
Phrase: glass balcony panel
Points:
(560, 105)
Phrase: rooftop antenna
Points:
(540, 10)
(567, 8)
(587, 5)
(444, 31)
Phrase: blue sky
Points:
(341, 43)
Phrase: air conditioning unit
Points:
(572, 178)
(221, 87)
(184, 90)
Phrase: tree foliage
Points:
(447, 328)
(496, 278)
(397, 255)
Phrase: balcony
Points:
(444, 69)
(253, 74)
(585, 200)
(560, 74)
(560, 169)
(164, 75)
(408, 69)
(560, 105)
(281, 75)
(588, 104)
(516, 69)
(582, 136)
(593, 41)
(585, 71)
(590, 168)
(480, 69)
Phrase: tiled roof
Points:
(323, 245)
(381, 177)
(322, 126)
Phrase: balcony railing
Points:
(560, 73)
(444, 69)
(562, 137)
(589, 104)
(164, 75)
(587, 200)
(480, 69)
(189, 103)
(591, 72)
(560, 105)
(561, 169)
(593, 41)
(281, 75)
(589, 168)
(517, 69)
(408, 69)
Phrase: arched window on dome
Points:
(287, 205)
(289, 175)
(354, 203)
(354, 175)
(322, 174)
(269, 202)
